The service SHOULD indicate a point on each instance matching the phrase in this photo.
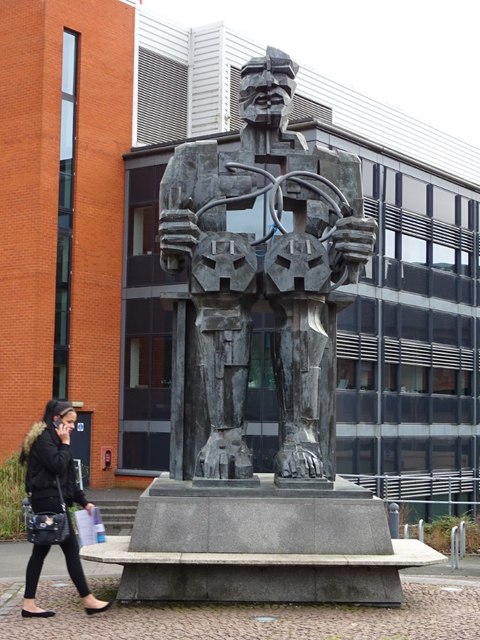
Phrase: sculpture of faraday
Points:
(331, 240)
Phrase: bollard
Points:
(394, 520)
(454, 548)
(421, 530)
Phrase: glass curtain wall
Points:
(65, 212)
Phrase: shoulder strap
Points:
(60, 493)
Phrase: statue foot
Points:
(297, 461)
(225, 456)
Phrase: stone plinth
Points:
(264, 543)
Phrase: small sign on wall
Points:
(80, 426)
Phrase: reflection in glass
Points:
(140, 232)
(464, 267)
(465, 383)
(413, 454)
(390, 243)
(256, 357)
(444, 381)
(68, 63)
(414, 379)
(414, 194)
(444, 328)
(63, 258)
(390, 377)
(161, 362)
(414, 323)
(137, 362)
(66, 130)
(61, 317)
(443, 257)
(414, 250)
(444, 205)
(443, 453)
(346, 373)
(367, 375)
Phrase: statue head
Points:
(266, 91)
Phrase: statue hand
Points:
(179, 233)
(354, 238)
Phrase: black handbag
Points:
(48, 528)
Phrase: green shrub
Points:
(438, 533)
(12, 492)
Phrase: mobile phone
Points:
(57, 423)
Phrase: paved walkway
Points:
(441, 604)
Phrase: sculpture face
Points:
(266, 91)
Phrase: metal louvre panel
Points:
(466, 240)
(371, 208)
(419, 227)
(416, 353)
(391, 349)
(236, 122)
(368, 348)
(348, 346)
(392, 217)
(162, 98)
(445, 357)
(466, 359)
(446, 234)
(303, 108)
(415, 486)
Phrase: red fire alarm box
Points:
(106, 457)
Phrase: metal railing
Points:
(421, 488)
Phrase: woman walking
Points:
(46, 451)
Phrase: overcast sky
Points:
(421, 56)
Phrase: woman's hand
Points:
(90, 507)
(63, 432)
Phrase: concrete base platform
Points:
(225, 577)
(269, 543)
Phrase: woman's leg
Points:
(71, 551)
(34, 568)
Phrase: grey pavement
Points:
(440, 604)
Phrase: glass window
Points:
(368, 317)
(413, 454)
(413, 379)
(268, 379)
(390, 319)
(390, 186)
(366, 456)
(137, 317)
(347, 318)
(444, 205)
(465, 262)
(346, 370)
(141, 232)
(367, 375)
(390, 377)
(414, 250)
(66, 130)
(389, 455)
(443, 257)
(137, 362)
(161, 362)
(368, 178)
(443, 453)
(256, 358)
(444, 328)
(390, 243)
(465, 383)
(444, 381)
(68, 63)
(414, 194)
(345, 455)
(466, 450)
(465, 331)
(414, 324)
(61, 317)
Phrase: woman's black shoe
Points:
(89, 611)
(35, 614)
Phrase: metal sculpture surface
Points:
(296, 269)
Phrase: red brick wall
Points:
(30, 86)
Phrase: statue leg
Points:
(223, 339)
(299, 342)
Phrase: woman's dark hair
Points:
(56, 408)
